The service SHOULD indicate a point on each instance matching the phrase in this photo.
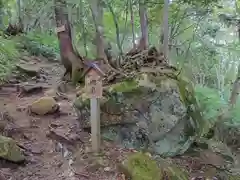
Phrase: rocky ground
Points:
(37, 113)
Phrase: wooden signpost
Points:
(93, 87)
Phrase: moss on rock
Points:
(234, 177)
(124, 86)
(142, 167)
(9, 150)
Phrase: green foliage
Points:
(8, 55)
(210, 102)
(200, 2)
(44, 39)
(40, 44)
(212, 105)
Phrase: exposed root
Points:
(135, 61)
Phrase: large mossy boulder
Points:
(131, 102)
(155, 107)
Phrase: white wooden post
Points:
(95, 124)
(93, 87)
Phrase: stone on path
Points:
(9, 150)
(44, 105)
(29, 69)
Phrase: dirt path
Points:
(57, 153)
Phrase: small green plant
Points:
(8, 56)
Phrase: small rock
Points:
(107, 169)
(9, 150)
(93, 167)
(209, 157)
(44, 105)
(36, 150)
(30, 88)
(62, 134)
(21, 108)
(62, 87)
(30, 70)
(51, 93)
(26, 58)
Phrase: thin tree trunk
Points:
(132, 23)
(236, 89)
(144, 25)
(236, 84)
(97, 13)
(1, 14)
(117, 28)
(165, 29)
(84, 34)
(19, 10)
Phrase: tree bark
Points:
(65, 37)
(84, 34)
(236, 84)
(116, 27)
(132, 24)
(1, 14)
(97, 14)
(144, 25)
(165, 29)
(235, 90)
(71, 60)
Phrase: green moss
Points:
(234, 177)
(142, 167)
(125, 86)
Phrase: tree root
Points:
(134, 62)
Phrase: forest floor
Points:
(55, 146)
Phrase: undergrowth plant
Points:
(39, 44)
(8, 57)
(211, 104)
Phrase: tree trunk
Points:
(97, 14)
(65, 37)
(144, 25)
(116, 27)
(70, 58)
(235, 90)
(236, 84)
(132, 23)
(165, 29)
(84, 34)
(1, 14)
